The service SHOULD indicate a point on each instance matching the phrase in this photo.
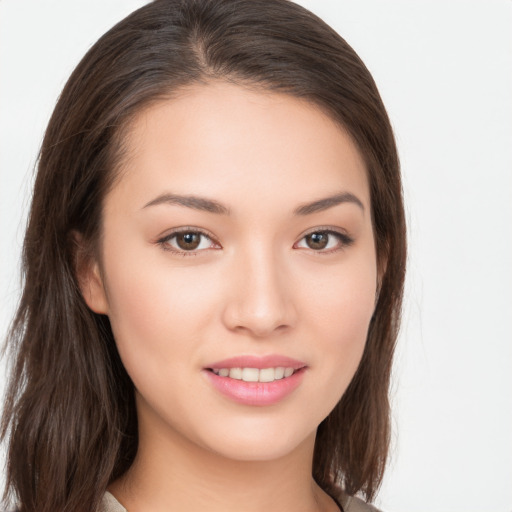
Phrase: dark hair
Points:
(70, 414)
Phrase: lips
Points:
(254, 380)
(269, 361)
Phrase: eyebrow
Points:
(195, 202)
(211, 206)
(328, 202)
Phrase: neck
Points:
(171, 473)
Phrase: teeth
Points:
(266, 375)
(250, 374)
(235, 373)
(255, 374)
(288, 372)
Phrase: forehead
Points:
(230, 141)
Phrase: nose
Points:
(261, 299)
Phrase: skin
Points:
(254, 287)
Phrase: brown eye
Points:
(188, 241)
(317, 241)
(324, 241)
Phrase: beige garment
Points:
(110, 504)
(350, 504)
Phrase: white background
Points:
(444, 69)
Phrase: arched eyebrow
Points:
(328, 202)
(195, 202)
(212, 206)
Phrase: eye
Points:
(187, 241)
(324, 241)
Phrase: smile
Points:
(256, 380)
(255, 374)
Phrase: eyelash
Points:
(344, 240)
(164, 241)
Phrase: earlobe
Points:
(90, 280)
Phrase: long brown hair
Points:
(70, 416)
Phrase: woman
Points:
(213, 269)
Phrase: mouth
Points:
(255, 380)
(248, 374)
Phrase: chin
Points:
(259, 442)
(255, 451)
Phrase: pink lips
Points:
(270, 361)
(256, 393)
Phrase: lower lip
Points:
(256, 393)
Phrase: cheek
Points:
(153, 309)
(341, 305)
(343, 296)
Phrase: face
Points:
(237, 268)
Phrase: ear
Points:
(88, 274)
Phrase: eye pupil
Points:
(188, 241)
(317, 240)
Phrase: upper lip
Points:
(251, 361)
